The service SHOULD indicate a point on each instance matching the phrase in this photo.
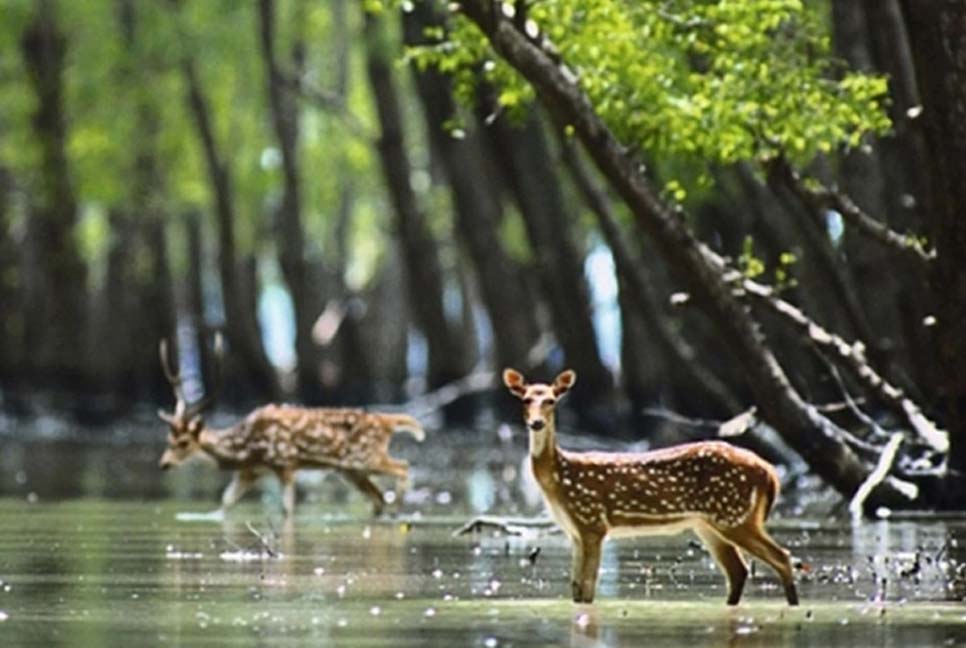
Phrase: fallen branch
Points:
(509, 526)
(477, 381)
(473, 383)
(852, 356)
(881, 471)
(266, 545)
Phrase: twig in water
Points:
(509, 526)
(266, 545)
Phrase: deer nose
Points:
(537, 425)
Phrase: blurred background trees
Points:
(368, 212)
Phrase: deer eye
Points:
(550, 401)
(528, 401)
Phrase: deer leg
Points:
(369, 489)
(394, 467)
(758, 543)
(585, 566)
(239, 485)
(729, 561)
(287, 477)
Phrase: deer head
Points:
(186, 421)
(539, 400)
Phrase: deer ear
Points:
(515, 382)
(195, 424)
(563, 382)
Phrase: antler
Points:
(182, 409)
(174, 378)
(210, 394)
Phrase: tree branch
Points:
(329, 101)
(819, 197)
(852, 356)
(882, 468)
(811, 434)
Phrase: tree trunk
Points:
(812, 435)
(151, 315)
(291, 235)
(937, 36)
(56, 316)
(477, 210)
(241, 326)
(11, 322)
(862, 175)
(529, 171)
(641, 305)
(424, 276)
(191, 292)
(905, 178)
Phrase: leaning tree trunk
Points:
(529, 171)
(642, 306)
(477, 210)
(447, 361)
(291, 234)
(241, 325)
(937, 36)
(806, 430)
(56, 315)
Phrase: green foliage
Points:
(783, 273)
(125, 100)
(702, 81)
(749, 264)
(753, 266)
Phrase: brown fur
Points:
(285, 438)
(721, 492)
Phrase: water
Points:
(98, 548)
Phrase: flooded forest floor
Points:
(98, 547)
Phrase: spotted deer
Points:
(720, 492)
(283, 439)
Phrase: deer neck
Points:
(216, 443)
(543, 447)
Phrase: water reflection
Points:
(110, 551)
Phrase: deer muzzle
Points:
(166, 461)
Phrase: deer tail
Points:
(770, 490)
(406, 423)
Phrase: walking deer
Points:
(720, 492)
(283, 439)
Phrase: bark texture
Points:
(810, 433)
(477, 210)
(937, 36)
(289, 228)
(424, 277)
(56, 317)
(241, 326)
(529, 170)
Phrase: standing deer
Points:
(284, 439)
(720, 492)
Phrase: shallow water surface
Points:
(98, 548)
